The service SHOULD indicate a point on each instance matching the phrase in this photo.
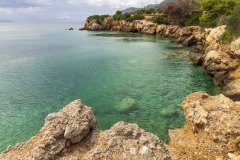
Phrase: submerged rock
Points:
(127, 104)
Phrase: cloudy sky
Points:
(62, 10)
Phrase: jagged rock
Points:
(180, 40)
(232, 90)
(235, 47)
(120, 142)
(212, 128)
(150, 28)
(198, 49)
(189, 41)
(195, 58)
(71, 124)
(219, 63)
(94, 26)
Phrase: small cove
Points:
(43, 68)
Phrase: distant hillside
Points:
(162, 4)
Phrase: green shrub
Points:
(98, 18)
(159, 10)
(129, 19)
(148, 12)
(233, 26)
(193, 19)
(159, 19)
(214, 9)
(223, 20)
(118, 17)
(138, 16)
(126, 15)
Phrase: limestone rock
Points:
(232, 90)
(235, 47)
(189, 41)
(145, 151)
(119, 142)
(219, 63)
(69, 125)
(94, 26)
(195, 58)
(212, 128)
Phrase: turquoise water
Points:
(44, 67)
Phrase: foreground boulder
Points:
(122, 141)
(212, 129)
(70, 135)
(61, 129)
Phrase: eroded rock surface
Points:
(122, 141)
(212, 131)
(70, 125)
(70, 135)
(232, 90)
(212, 128)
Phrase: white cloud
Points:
(62, 10)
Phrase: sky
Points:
(62, 10)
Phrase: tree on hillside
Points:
(177, 12)
(233, 26)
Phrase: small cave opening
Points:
(134, 31)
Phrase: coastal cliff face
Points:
(219, 60)
(212, 131)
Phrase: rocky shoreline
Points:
(219, 60)
(212, 130)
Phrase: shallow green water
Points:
(43, 68)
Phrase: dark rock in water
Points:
(82, 29)
(220, 77)
(180, 40)
(195, 58)
(232, 90)
(70, 29)
(189, 41)
(198, 49)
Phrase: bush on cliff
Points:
(214, 9)
(233, 26)
(193, 19)
(159, 19)
(98, 18)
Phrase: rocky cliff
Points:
(212, 132)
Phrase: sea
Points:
(44, 66)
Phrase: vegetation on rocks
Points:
(98, 18)
(233, 26)
(129, 17)
(204, 13)
(214, 9)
